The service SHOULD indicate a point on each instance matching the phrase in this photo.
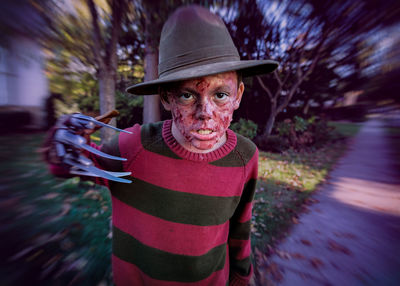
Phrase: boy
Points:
(185, 218)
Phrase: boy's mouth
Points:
(204, 131)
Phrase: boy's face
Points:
(202, 109)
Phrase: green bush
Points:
(300, 133)
(129, 107)
(272, 143)
(245, 127)
(300, 124)
(89, 104)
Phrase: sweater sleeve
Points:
(240, 229)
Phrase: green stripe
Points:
(111, 148)
(249, 191)
(240, 230)
(166, 266)
(152, 140)
(240, 266)
(240, 155)
(176, 206)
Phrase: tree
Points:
(105, 56)
(301, 35)
(87, 32)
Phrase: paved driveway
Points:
(351, 235)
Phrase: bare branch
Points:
(111, 48)
(265, 88)
(96, 34)
(288, 97)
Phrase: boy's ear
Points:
(165, 101)
(239, 95)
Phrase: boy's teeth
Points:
(204, 131)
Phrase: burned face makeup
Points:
(202, 110)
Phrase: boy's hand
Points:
(105, 118)
(70, 135)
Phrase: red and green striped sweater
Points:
(185, 218)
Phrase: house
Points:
(23, 83)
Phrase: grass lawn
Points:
(347, 129)
(55, 231)
(286, 181)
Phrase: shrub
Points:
(89, 104)
(245, 127)
(130, 109)
(272, 143)
(300, 133)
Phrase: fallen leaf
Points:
(345, 234)
(89, 193)
(297, 255)
(50, 196)
(9, 202)
(306, 242)
(21, 253)
(333, 245)
(276, 274)
(259, 257)
(283, 254)
(33, 256)
(316, 262)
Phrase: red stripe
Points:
(168, 236)
(177, 175)
(243, 246)
(127, 274)
(129, 144)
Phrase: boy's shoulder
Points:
(241, 155)
(150, 131)
(245, 144)
(151, 136)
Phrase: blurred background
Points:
(339, 66)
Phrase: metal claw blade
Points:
(99, 153)
(84, 173)
(85, 117)
(98, 172)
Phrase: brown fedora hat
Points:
(195, 43)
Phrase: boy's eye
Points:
(186, 96)
(221, 96)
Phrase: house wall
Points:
(23, 84)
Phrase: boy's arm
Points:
(68, 149)
(240, 230)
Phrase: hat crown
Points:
(193, 36)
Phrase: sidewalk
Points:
(351, 235)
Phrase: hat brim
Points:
(247, 68)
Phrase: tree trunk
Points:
(107, 102)
(306, 107)
(151, 103)
(269, 125)
(271, 119)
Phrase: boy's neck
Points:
(185, 144)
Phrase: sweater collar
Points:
(199, 157)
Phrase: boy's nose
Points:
(204, 110)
